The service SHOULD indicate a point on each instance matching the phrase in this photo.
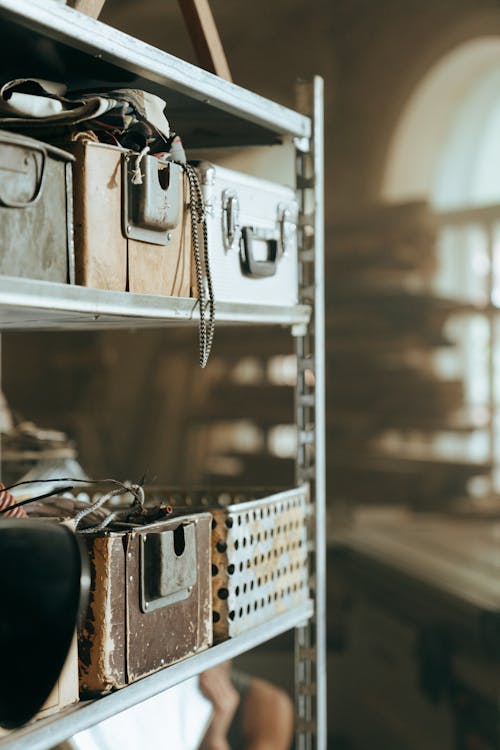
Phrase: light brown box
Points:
(100, 247)
(154, 269)
(105, 257)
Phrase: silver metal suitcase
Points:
(252, 237)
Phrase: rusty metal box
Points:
(259, 553)
(150, 600)
(130, 234)
(36, 216)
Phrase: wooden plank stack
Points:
(387, 405)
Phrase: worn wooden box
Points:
(128, 236)
(259, 553)
(150, 600)
(36, 217)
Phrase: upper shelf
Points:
(44, 39)
(42, 305)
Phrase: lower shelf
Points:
(44, 734)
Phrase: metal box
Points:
(130, 235)
(150, 600)
(259, 553)
(252, 237)
(36, 217)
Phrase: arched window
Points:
(446, 150)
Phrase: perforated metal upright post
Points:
(310, 640)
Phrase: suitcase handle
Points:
(39, 186)
(251, 266)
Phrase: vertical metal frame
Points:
(310, 640)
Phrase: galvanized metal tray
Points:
(259, 552)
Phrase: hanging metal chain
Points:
(202, 264)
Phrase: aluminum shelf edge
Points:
(27, 304)
(49, 732)
(66, 25)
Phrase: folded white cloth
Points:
(174, 720)
(34, 106)
(35, 102)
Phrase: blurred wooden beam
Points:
(205, 37)
(89, 7)
(201, 28)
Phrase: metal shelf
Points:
(27, 304)
(48, 732)
(49, 40)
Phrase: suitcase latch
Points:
(287, 222)
(230, 218)
(151, 207)
(168, 566)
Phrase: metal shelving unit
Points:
(310, 640)
(48, 37)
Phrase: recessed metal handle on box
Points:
(151, 198)
(168, 566)
(22, 171)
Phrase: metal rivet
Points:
(131, 578)
(162, 661)
(169, 236)
(129, 228)
(146, 605)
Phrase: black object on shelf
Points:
(43, 583)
